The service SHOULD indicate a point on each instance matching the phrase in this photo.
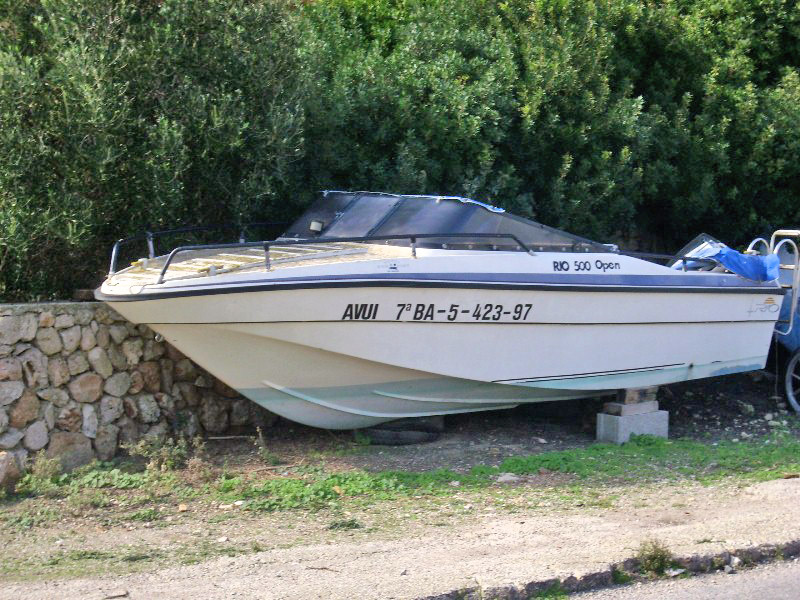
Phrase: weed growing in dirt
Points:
(167, 455)
(554, 592)
(133, 557)
(43, 478)
(654, 557)
(228, 483)
(145, 515)
(620, 577)
(81, 500)
(104, 475)
(264, 452)
(344, 524)
(269, 458)
(78, 556)
(30, 518)
(360, 438)
(204, 550)
(314, 492)
(198, 470)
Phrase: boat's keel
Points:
(354, 406)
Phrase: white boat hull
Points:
(357, 356)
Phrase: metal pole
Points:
(151, 251)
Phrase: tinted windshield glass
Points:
(361, 216)
(365, 214)
(421, 215)
(325, 210)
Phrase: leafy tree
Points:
(641, 122)
(121, 116)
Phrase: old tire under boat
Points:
(388, 437)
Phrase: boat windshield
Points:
(366, 214)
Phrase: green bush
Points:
(120, 116)
(617, 119)
(629, 121)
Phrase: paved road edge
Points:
(697, 563)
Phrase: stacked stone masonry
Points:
(78, 382)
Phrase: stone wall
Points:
(77, 381)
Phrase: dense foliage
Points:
(118, 116)
(624, 120)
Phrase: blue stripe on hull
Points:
(627, 280)
(589, 282)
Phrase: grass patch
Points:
(136, 557)
(554, 592)
(203, 551)
(145, 515)
(73, 556)
(43, 481)
(648, 458)
(620, 577)
(163, 460)
(643, 459)
(314, 491)
(30, 518)
(360, 438)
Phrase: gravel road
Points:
(494, 550)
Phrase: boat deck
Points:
(204, 263)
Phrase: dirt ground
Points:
(539, 527)
(487, 549)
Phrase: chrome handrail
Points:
(775, 248)
(751, 246)
(267, 245)
(151, 236)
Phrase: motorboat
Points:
(373, 307)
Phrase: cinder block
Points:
(618, 429)
(618, 408)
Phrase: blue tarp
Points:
(752, 266)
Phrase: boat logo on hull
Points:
(767, 306)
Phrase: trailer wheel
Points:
(792, 380)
